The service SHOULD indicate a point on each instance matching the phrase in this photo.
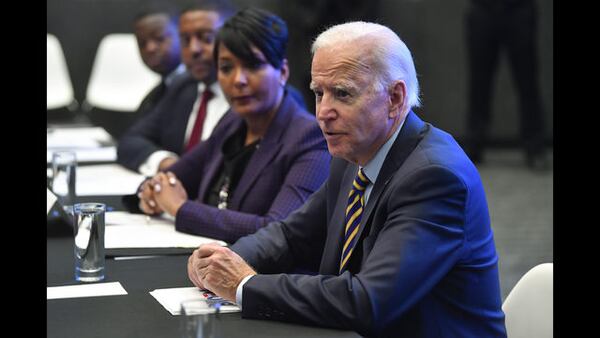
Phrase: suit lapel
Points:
(405, 143)
(212, 169)
(261, 158)
(268, 148)
(183, 104)
(332, 252)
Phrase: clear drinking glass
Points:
(88, 225)
(199, 319)
(64, 165)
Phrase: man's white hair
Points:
(391, 58)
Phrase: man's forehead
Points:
(154, 18)
(339, 65)
(199, 17)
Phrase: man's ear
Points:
(397, 94)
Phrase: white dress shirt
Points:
(216, 108)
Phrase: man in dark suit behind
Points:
(158, 139)
(155, 29)
(399, 233)
(166, 131)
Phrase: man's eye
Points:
(342, 93)
(318, 93)
(207, 37)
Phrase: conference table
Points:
(138, 314)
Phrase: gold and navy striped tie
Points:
(354, 210)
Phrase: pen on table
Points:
(217, 307)
(119, 258)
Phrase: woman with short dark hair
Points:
(266, 156)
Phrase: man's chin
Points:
(335, 151)
(200, 75)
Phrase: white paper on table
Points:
(83, 155)
(85, 290)
(50, 199)
(172, 298)
(85, 137)
(106, 179)
(126, 230)
(70, 143)
(127, 218)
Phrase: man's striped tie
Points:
(356, 203)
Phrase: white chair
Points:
(59, 89)
(119, 80)
(529, 305)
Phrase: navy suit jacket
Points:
(290, 164)
(162, 128)
(425, 264)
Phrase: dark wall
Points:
(432, 29)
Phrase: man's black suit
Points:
(163, 128)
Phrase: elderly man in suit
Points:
(399, 233)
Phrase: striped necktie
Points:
(354, 210)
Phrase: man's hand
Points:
(218, 269)
(169, 193)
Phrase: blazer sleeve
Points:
(278, 246)
(161, 128)
(303, 177)
(420, 237)
(141, 140)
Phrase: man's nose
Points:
(195, 46)
(150, 46)
(325, 109)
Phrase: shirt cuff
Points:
(150, 166)
(238, 292)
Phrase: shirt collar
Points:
(371, 169)
(214, 87)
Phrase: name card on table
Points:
(85, 290)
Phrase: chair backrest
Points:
(59, 89)
(119, 80)
(529, 306)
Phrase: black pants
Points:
(492, 28)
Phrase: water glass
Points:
(64, 164)
(199, 320)
(88, 225)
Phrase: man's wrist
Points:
(239, 290)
